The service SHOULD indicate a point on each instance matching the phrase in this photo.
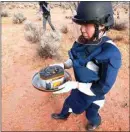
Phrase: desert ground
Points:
(25, 108)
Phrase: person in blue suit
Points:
(96, 61)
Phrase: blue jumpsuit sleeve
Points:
(109, 64)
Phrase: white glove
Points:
(68, 64)
(68, 86)
(59, 64)
(85, 88)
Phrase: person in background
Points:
(96, 61)
(45, 9)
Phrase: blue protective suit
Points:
(108, 58)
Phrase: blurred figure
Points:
(45, 9)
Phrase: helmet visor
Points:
(78, 21)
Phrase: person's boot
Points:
(59, 116)
(92, 127)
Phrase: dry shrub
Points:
(68, 17)
(118, 38)
(65, 5)
(18, 18)
(4, 13)
(32, 32)
(64, 29)
(12, 6)
(50, 43)
(120, 26)
(20, 6)
(39, 17)
(26, 6)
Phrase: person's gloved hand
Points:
(68, 64)
(68, 86)
(59, 64)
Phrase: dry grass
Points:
(64, 29)
(39, 17)
(120, 26)
(49, 41)
(49, 44)
(32, 32)
(68, 17)
(4, 13)
(117, 38)
(45, 53)
(20, 5)
(18, 18)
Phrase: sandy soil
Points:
(24, 108)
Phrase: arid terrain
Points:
(25, 108)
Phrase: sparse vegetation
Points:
(68, 17)
(118, 38)
(39, 17)
(4, 13)
(118, 25)
(18, 18)
(49, 44)
(64, 29)
(32, 32)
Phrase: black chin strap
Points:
(95, 39)
(97, 31)
(96, 34)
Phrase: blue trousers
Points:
(79, 102)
